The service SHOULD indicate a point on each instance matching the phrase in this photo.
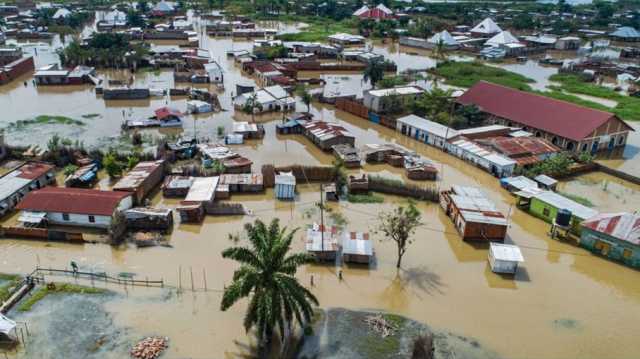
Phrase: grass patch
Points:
(365, 198)
(559, 95)
(318, 29)
(45, 120)
(579, 199)
(42, 292)
(12, 280)
(628, 107)
(466, 74)
(377, 347)
(393, 182)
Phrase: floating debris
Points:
(150, 348)
(380, 325)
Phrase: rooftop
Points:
(623, 226)
(73, 200)
(554, 116)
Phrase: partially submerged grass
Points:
(46, 120)
(628, 107)
(12, 280)
(466, 74)
(375, 346)
(579, 199)
(68, 288)
(365, 198)
(91, 115)
(318, 30)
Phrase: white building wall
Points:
(79, 220)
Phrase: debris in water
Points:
(380, 325)
(150, 348)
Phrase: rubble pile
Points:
(150, 348)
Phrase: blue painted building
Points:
(613, 235)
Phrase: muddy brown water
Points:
(444, 282)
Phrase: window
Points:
(538, 134)
(620, 140)
(546, 212)
(92, 219)
(584, 147)
(65, 216)
(554, 140)
(626, 253)
(570, 146)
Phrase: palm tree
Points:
(440, 51)
(251, 105)
(306, 97)
(267, 277)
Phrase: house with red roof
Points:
(377, 13)
(566, 125)
(73, 206)
(613, 235)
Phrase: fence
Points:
(353, 107)
(41, 234)
(224, 209)
(398, 188)
(301, 173)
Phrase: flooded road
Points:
(444, 282)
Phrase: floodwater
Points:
(443, 282)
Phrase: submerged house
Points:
(322, 242)
(375, 99)
(285, 186)
(625, 33)
(357, 248)
(73, 206)
(566, 125)
(475, 217)
(141, 180)
(326, 135)
(20, 181)
(504, 258)
(615, 236)
(486, 28)
(546, 205)
(423, 130)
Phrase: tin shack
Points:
(357, 248)
(142, 179)
(322, 242)
(474, 216)
(615, 236)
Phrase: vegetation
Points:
(399, 225)
(267, 278)
(556, 166)
(45, 120)
(365, 198)
(374, 71)
(112, 165)
(317, 29)
(392, 81)
(11, 281)
(251, 105)
(466, 74)
(579, 199)
(104, 49)
(64, 25)
(70, 169)
(51, 288)
(628, 108)
(437, 105)
(305, 96)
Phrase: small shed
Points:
(285, 186)
(146, 218)
(546, 182)
(504, 258)
(322, 242)
(357, 248)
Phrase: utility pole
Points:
(321, 218)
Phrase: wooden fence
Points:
(41, 234)
(224, 209)
(353, 107)
(303, 174)
(427, 193)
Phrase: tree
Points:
(440, 51)
(70, 169)
(134, 19)
(398, 225)
(435, 104)
(374, 71)
(267, 277)
(251, 105)
(111, 165)
(305, 96)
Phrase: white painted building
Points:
(423, 130)
(374, 99)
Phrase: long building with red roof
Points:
(74, 206)
(566, 125)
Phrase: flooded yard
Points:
(563, 303)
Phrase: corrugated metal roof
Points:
(73, 200)
(554, 116)
(203, 189)
(623, 226)
(428, 126)
(506, 252)
(357, 243)
(315, 243)
(561, 202)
